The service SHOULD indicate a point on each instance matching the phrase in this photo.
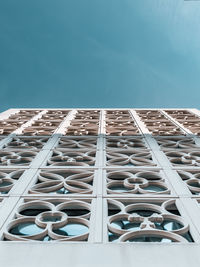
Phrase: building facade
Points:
(100, 187)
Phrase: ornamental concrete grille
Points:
(100, 176)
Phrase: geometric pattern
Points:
(100, 175)
(49, 219)
(144, 221)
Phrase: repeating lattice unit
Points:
(86, 122)
(29, 143)
(65, 157)
(16, 120)
(176, 142)
(141, 220)
(17, 157)
(130, 157)
(120, 122)
(50, 220)
(136, 182)
(57, 115)
(77, 143)
(63, 182)
(158, 124)
(125, 143)
(184, 158)
(47, 124)
(188, 119)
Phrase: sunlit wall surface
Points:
(118, 178)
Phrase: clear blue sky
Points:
(99, 53)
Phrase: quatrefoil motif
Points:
(50, 220)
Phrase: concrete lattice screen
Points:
(100, 176)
